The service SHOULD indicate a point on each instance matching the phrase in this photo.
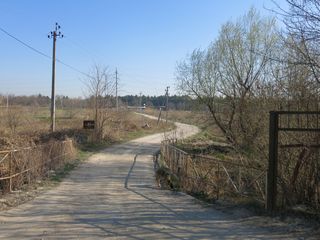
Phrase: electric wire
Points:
(43, 54)
(24, 44)
(132, 76)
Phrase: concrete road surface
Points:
(113, 196)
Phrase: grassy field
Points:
(25, 126)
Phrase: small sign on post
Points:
(88, 124)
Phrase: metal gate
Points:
(293, 122)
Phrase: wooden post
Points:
(186, 163)
(177, 162)
(10, 172)
(179, 166)
(273, 162)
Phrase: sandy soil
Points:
(113, 196)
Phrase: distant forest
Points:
(175, 102)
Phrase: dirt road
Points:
(112, 196)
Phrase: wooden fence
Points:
(214, 177)
(26, 165)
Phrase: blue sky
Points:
(144, 39)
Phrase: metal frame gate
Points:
(276, 125)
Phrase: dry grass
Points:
(29, 126)
(212, 176)
(24, 166)
(40, 152)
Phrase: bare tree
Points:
(248, 71)
(100, 87)
(302, 21)
(226, 75)
(13, 119)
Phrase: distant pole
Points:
(167, 101)
(54, 34)
(117, 102)
(7, 102)
(141, 108)
(159, 117)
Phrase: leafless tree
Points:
(100, 88)
(302, 21)
(251, 69)
(226, 75)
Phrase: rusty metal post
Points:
(273, 162)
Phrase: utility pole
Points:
(54, 34)
(167, 101)
(117, 102)
(141, 108)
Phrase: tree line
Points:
(175, 102)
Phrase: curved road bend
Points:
(111, 196)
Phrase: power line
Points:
(137, 77)
(43, 54)
(93, 55)
(73, 68)
(25, 44)
(85, 52)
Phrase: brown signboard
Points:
(88, 124)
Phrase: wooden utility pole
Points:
(54, 34)
(141, 108)
(159, 117)
(167, 101)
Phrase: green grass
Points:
(91, 147)
(61, 173)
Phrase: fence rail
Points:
(25, 165)
(214, 177)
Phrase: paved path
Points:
(112, 196)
